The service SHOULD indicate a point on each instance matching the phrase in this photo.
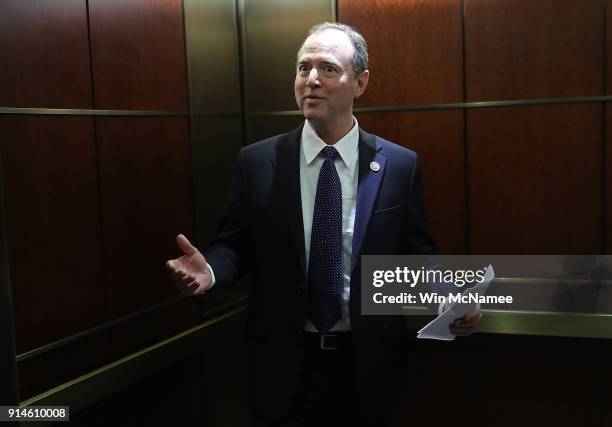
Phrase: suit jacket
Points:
(262, 234)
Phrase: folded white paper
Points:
(438, 329)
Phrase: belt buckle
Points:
(327, 347)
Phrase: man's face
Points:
(325, 83)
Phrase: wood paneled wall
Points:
(537, 170)
(54, 242)
(46, 55)
(529, 179)
(93, 202)
(520, 49)
(138, 54)
(415, 50)
(505, 381)
(524, 179)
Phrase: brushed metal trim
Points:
(231, 115)
(92, 331)
(243, 300)
(110, 379)
(117, 322)
(190, 101)
(453, 105)
(379, 109)
(547, 324)
(541, 281)
(212, 55)
(90, 112)
(539, 323)
(275, 113)
(334, 10)
(274, 30)
(241, 45)
(208, 115)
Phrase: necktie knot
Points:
(329, 152)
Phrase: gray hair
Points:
(360, 54)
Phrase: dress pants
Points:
(326, 396)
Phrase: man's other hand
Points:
(190, 272)
(468, 324)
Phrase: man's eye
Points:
(329, 69)
(302, 68)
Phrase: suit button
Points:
(300, 332)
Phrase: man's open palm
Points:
(190, 272)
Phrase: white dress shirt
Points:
(347, 166)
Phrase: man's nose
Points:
(313, 78)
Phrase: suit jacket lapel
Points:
(288, 181)
(367, 190)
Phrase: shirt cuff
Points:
(212, 276)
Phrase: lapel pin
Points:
(375, 166)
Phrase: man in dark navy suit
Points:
(303, 207)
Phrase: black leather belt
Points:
(333, 341)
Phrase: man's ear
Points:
(362, 83)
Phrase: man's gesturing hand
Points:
(190, 272)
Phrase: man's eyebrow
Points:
(305, 61)
(331, 63)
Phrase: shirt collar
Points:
(346, 146)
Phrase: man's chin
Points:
(311, 114)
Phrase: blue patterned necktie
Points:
(325, 262)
